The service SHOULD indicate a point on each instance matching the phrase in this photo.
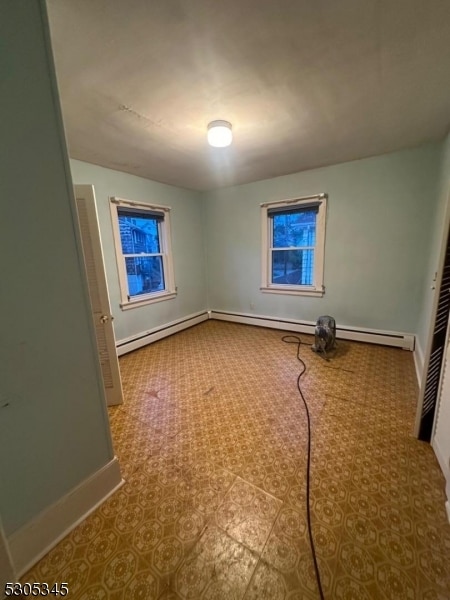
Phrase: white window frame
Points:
(165, 240)
(317, 288)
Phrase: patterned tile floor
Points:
(212, 443)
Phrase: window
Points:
(293, 242)
(143, 250)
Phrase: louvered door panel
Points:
(434, 371)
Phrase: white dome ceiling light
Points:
(219, 134)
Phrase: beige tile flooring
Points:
(212, 443)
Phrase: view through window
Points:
(141, 247)
(293, 245)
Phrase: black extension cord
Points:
(295, 339)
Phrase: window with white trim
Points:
(143, 251)
(293, 245)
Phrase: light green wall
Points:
(53, 422)
(438, 237)
(378, 236)
(383, 236)
(187, 245)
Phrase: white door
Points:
(98, 292)
(441, 432)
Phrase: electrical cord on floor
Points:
(295, 339)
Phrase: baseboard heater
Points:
(157, 333)
(356, 334)
(371, 336)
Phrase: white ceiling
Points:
(305, 83)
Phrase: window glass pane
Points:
(139, 234)
(145, 275)
(294, 229)
(293, 267)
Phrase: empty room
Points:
(225, 300)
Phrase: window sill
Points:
(291, 291)
(147, 300)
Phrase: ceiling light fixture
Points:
(219, 134)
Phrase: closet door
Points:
(441, 433)
(434, 370)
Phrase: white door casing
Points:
(98, 292)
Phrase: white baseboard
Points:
(418, 362)
(356, 334)
(157, 333)
(6, 567)
(32, 541)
